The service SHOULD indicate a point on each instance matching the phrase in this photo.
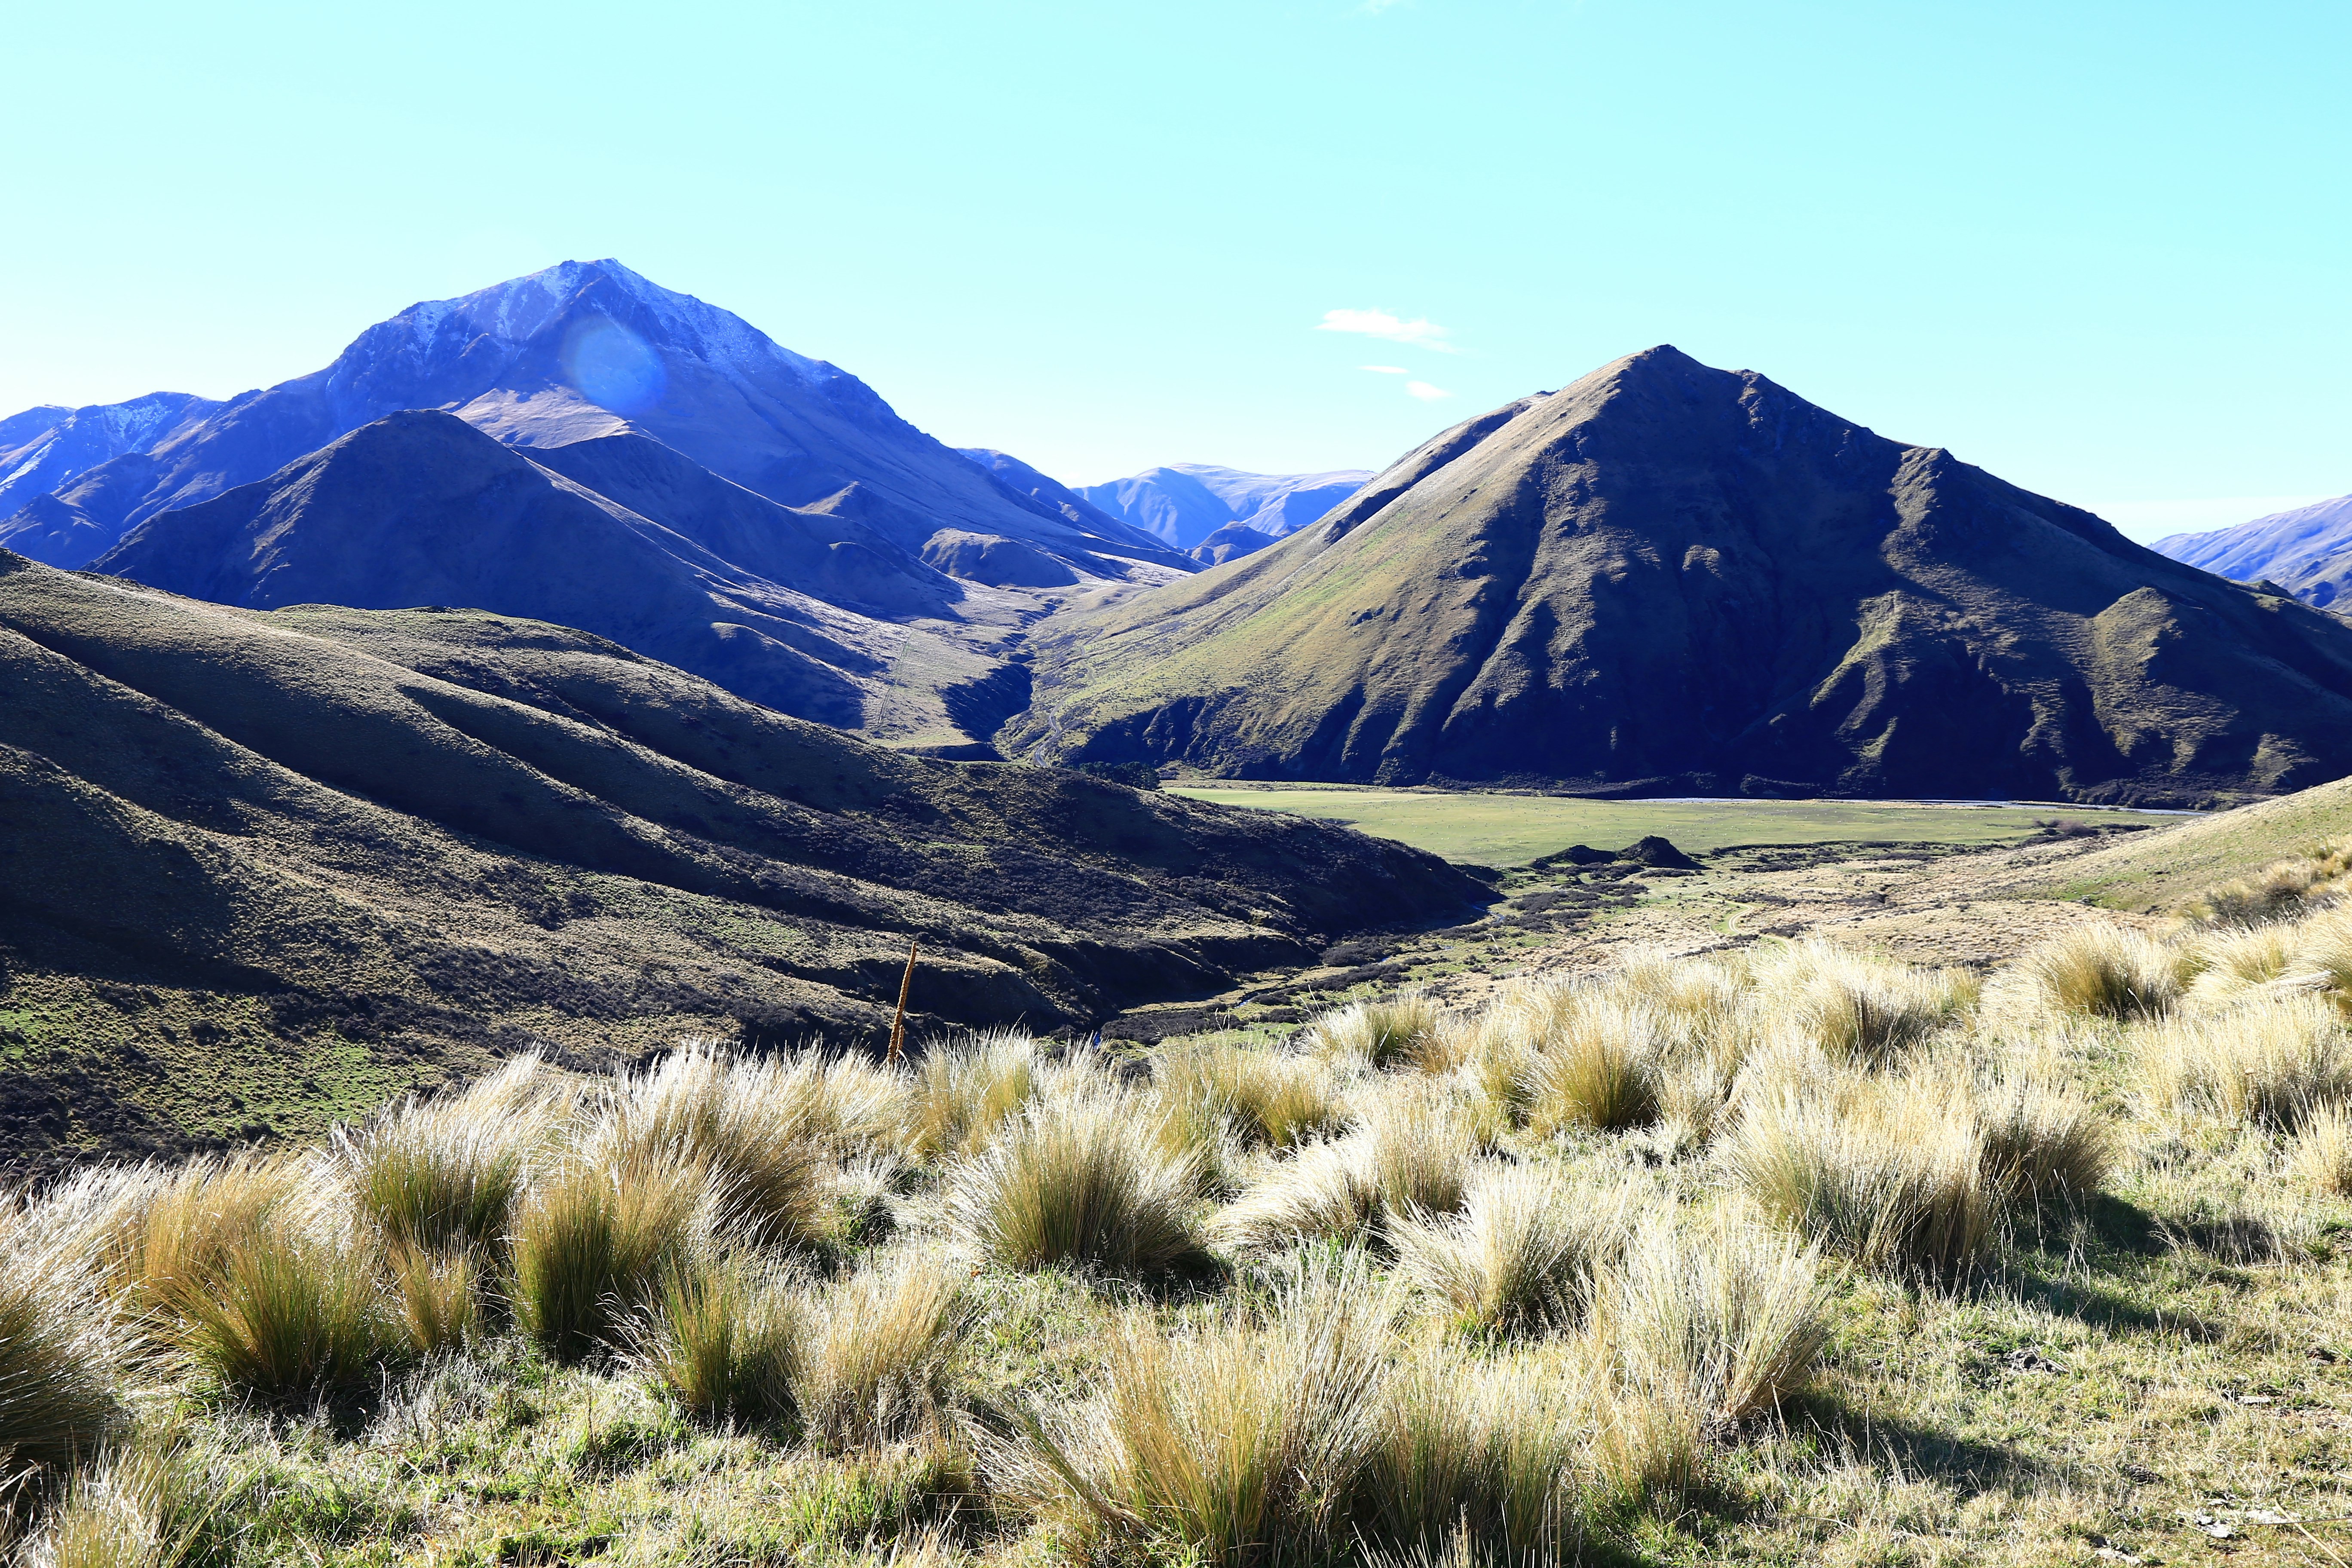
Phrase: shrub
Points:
(878, 1351)
(2106, 971)
(594, 1240)
(1239, 1444)
(1489, 1458)
(2322, 1155)
(1400, 1031)
(758, 1127)
(1595, 1065)
(288, 1312)
(1721, 1321)
(1522, 1253)
(967, 1088)
(2268, 1061)
(723, 1345)
(56, 1395)
(1890, 1173)
(2042, 1144)
(1071, 1182)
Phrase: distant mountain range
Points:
(2307, 552)
(1185, 504)
(1667, 578)
(680, 482)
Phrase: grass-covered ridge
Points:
(1789, 1255)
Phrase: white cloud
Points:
(1425, 391)
(1385, 369)
(1420, 331)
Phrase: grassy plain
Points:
(1501, 828)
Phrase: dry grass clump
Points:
(1408, 1030)
(2269, 1061)
(878, 1349)
(966, 1088)
(1595, 1062)
(1241, 1443)
(1524, 1250)
(436, 1175)
(1074, 1180)
(2281, 890)
(722, 1344)
(1409, 1154)
(2322, 1152)
(139, 1506)
(438, 1298)
(289, 1313)
(594, 1241)
(2106, 971)
(57, 1358)
(1888, 1171)
(1490, 1459)
(2042, 1144)
(1270, 1098)
(2225, 964)
(1720, 1320)
(162, 1233)
(762, 1128)
(1861, 1008)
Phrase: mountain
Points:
(1019, 476)
(421, 508)
(2307, 552)
(1229, 542)
(1667, 578)
(1183, 503)
(584, 351)
(44, 450)
(261, 868)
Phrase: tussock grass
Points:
(1720, 1320)
(1075, 1180)
(438, 1297)
(1270, 1099)
(967, 1086)
(595, 1240)
(166, 1235)
(437, 1176)
(2285, 889)
(1407, 1030)
(1410, 1152)
(2106, 971)
(143, 1505)
(762, 1129)
(1485, 1458)
(58, 1361)
(1524, 1250)
(879, 1352)
(2322, 1152)
(289, 1312)
(1888, 1171)
(2042, 1143)
(1595, 1063)
(1863, 1009)
(1239, 1444)
(724, 1345)
(2269, 1061)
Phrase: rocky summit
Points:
(1668, 578)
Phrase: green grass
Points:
(1495, 829)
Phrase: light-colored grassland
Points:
(1784, 1255)
(1495, 828)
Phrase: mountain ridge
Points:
(2306, 550)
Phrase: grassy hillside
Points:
(1497, 828)
(2158, 870)
(261, 868)
(1783, 1257)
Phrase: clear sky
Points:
(2103, 250)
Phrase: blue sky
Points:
(2104, 251)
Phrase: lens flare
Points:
(611, 366)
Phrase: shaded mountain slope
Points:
(582, 350)
(1012, 471)
(2307, 552)
(1669, 578)
(43, 451)
(256, 868)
